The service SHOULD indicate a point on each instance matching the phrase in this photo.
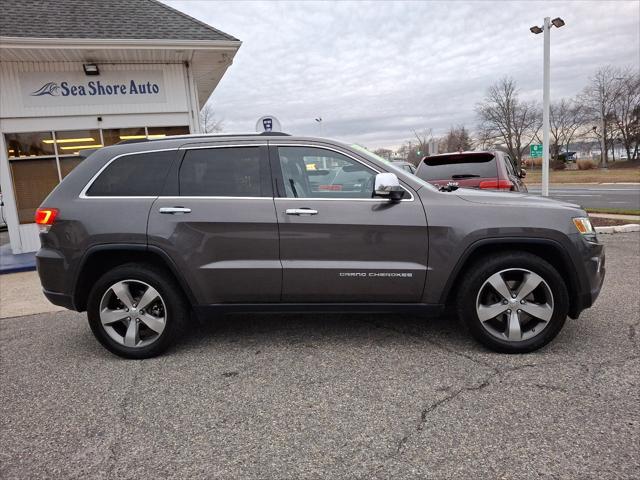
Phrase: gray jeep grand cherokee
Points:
(144, 235)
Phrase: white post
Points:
(545, 108)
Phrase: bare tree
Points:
(626, 109)
(384, 153)
(424, 138)
(567, 118)
(512, 122)
(484, 138)
(208, 120)
(456, 140)
(600, 97)
(411, 152)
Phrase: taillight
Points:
(45, 218)
(497, 184)
(330, 188)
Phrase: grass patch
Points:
(616, 211)
(610, 222)
(586, 176)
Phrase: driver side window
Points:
(309, 172)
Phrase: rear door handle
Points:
(301, 211)
(174, 210)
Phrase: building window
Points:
(116, 135)
(33, 168)
(159, 132)
(69, 145)
(34, 144)
(40, 160)
(32, 182)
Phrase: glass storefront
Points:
(115, 135)
(40, 160)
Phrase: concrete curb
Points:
(631, 227)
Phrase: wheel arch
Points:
(547, 249)
(101, 258)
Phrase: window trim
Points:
(375, 169)
(83, 193)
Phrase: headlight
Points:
(583, 224)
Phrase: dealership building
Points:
(85, 74)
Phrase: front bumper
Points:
(592, 257)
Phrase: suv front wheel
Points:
(514, 302)
(136, 311)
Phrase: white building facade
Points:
(60, 97)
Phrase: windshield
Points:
(391, 167)
(361, 149)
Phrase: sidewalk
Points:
(21, 294)
(9, 262)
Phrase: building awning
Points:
(132, 31)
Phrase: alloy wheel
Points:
(133, 313)
(515, 304)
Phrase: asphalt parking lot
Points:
(329, 396)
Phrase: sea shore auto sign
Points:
(43, 89)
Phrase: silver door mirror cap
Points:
(388, 186)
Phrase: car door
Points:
(337, 243)
(218, 224)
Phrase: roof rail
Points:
(204, 135)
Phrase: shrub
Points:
(558, 165)
(586, 164)
(532, 162)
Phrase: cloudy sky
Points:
(376, 71)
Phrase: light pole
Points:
(546, 83)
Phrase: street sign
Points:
(535, 151)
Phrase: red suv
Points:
(487, 170)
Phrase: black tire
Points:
(177, 309)
(480, 271)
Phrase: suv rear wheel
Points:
(514, 302)
(136, 310)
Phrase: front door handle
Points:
(174, 210)
(301, 211)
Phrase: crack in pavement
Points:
(495, 372)
(419, 334)
(485, 382)
(121, 421)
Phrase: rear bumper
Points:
(53, 272)
(60, 299)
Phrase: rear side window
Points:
(136, 175)
(222, 172)
(458, 167)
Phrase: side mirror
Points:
(388, 186)
(523, 173)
